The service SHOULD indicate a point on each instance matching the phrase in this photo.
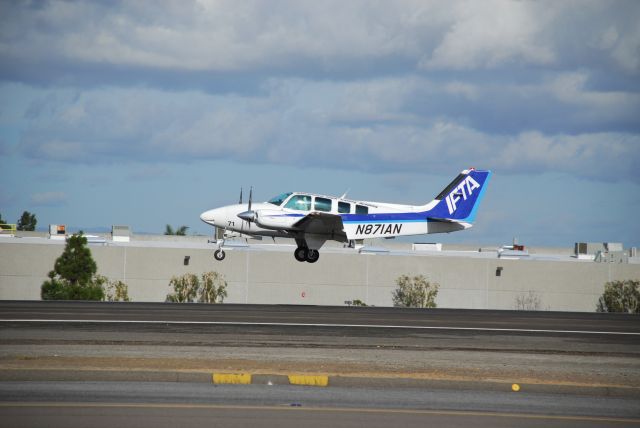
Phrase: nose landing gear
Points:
(219, 255)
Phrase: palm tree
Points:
(182, 230)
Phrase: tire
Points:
(301, 254)
(219, 255)
(313, 256)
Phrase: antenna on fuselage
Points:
(344, 195)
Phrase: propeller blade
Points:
(250, 197)
(240, 196)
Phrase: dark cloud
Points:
(171, 41)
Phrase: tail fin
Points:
(460, 199)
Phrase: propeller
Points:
(240, 202)
(249, 215)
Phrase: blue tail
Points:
(460, 199)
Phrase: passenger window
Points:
(344, 207)
(299, 202)
(361, 209)
(323, 204)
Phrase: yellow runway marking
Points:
(232, 378)
(308, 380)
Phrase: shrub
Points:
(620, 296)
(213, 288)
(114, 290)
(61, 289)
(528, 302)
(185, 288)
(415, 292)
(209, 288)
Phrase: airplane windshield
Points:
(278, 200)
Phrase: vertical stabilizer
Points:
(460, 199)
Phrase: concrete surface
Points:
(268, 274)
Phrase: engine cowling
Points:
(276, 219)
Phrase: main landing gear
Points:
(304, 254)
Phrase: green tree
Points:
(27, 221)
(76, 264)
(114, 291)
(185, 288)
(211, 287)
(2, 222)
(182, 230)
(415, 292)
(620, 296)
(72, 275)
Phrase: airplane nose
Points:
(207, 217)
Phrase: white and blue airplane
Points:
(313, 219)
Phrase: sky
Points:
(148, 113)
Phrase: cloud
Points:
(490, 33)
(49, 199)
(165, 42)
(400, 87)
(149, 172)
(364, 126)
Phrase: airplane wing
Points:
(320, 223)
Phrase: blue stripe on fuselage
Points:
(385, 217)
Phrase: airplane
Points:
(313, 219)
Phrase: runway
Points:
(143, 405)
(321, 316)
(75, 363)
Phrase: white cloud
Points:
(467, 90)
(491, 33)
(363, 125)
(627, 51)
(49, 199)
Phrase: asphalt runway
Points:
(322, 316)
(582, 369)
(168, 404)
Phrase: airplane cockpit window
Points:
(361, 209)
(322, 204)
(344, 207)
(278, 200)
(299, 202)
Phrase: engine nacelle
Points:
(276, 219)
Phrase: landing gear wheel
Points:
(219, 255)
(313, 256)
(301, 254)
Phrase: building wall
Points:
(276, 277)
